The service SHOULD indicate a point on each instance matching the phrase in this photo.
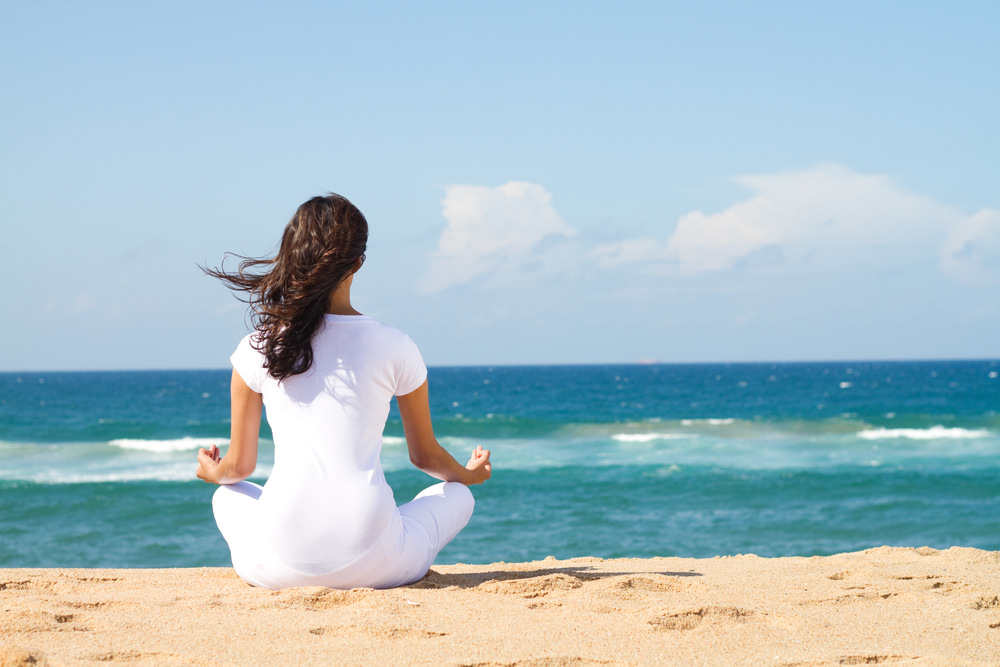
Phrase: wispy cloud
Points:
(971, 253)
(818, 218)
(489, 228)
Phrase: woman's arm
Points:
(241, 457)
(425, 451)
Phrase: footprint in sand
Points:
(532, 587)
(633, 586)
(322, 598)
(690, 619)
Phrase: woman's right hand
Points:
(208, 463)
(479, 464)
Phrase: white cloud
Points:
(820, 217)
(490, 228)
(971, 253)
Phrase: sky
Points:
(545, 182)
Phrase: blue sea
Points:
(776, 459)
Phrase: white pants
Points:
(401, 555)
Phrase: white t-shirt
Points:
(327, 501)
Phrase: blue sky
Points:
(546, 182)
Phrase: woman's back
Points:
(327, 500)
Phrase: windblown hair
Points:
(288, 295)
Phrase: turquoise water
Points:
(96, 468)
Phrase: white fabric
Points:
(326, 515)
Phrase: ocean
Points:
(694, 460)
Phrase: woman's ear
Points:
(357, 264)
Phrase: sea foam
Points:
(163, 446)
(646, 437)
(932, 433)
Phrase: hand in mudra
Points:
(479, 463)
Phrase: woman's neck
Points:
(339, 302)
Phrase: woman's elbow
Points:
(418, 459)
(244, 469)
(424, 458)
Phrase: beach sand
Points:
(890, 606)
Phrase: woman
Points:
(327, 373)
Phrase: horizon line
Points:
(638, 363)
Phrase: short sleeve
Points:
(411, 372)
(249, 363)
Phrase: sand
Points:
(890, 606)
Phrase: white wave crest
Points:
(710, 422)
(174, 473)
(932, 433)
(164, 446)
(645, 437)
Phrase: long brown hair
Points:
(320, 247)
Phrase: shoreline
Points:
(888, 605)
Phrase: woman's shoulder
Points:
(391, 333)
(251, 342)
(373, 326)
(248, 360)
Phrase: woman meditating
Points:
(327, 374)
